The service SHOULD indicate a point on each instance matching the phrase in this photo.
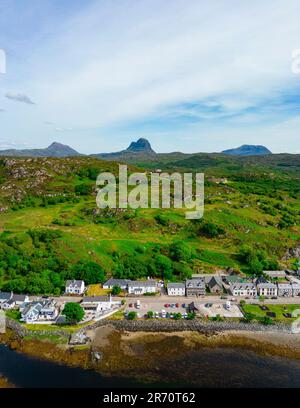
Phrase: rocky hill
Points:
(54, 150)
(248, 150)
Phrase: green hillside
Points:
(51, 229)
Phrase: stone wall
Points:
(22, 331)
(202, 326)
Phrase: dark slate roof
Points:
(76, 283)
(215, 280)
(142, 283)
(89, 299)
(195, 283)
(176, 285)
(116, 282)
(19, 298)
(5, 295)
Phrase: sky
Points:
(191, 76)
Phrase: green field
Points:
(51, 228)
(257, 312)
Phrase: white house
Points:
(275, 274)
(176, 289)
(142, 287)
(122, 283)
(75, 287)
(243, 289)
(296, 289)
(267, 289)
(98, 303)
(285, 290)
(5, 297)
(40, 311)
(15, 301)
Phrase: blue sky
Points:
(188, 75)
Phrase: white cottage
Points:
(75, 287)
(142, 287)
(176, 289)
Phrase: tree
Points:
(89, 272)
(261, 299)
(211, 230)
(267, 320)
(74, 312)
(83, 189)
(248, 317)
(150, 314)
(180, 251)
(164, 266)
(116, 290)
(191, 316)
(131, 315)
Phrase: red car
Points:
(167, 305)
(177, 305)
(130, 304)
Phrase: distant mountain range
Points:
(141, 149)
(248, 150)
(54, 150)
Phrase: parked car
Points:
(274, 297)
(177, 305)
(130, 304)
(167, 305)
(184, 305)
(224, 297)
(208, 305)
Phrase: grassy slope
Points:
(237, 211)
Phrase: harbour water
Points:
(220, 367)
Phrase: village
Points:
(203, 295)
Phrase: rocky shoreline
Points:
(128, 348)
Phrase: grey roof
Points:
(95, 299)
(242, 285)
(117, 282)
(19, 298)
(142, 283)
(10, 302)
(215, 280)
(5, 295)
(176, 285)
(284, 286)
(275, 273)
(266, 285)
(195, 283)
(74, 282)
(261, 279)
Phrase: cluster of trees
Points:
(256, 260)
(30, 264)
(169, 263)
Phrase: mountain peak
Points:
(60, 150)
(141, 145)
(248, 150)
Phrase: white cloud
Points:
(18, 97)
(124, 61)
